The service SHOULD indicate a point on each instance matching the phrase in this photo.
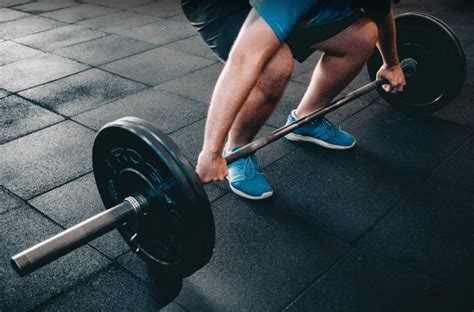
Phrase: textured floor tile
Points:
(4, 93)
(118, 21)
(78, 13)
(161, 32)
(11, 52)
(160, 8)
(26, 26)
(39, 7)
(340, 192)
(469, 50)
(8, 3)
(45, 159)
(20, 229)
(461, 110)
(19, 117)
(195, 46)
(122, 4)
(37, 70)
(156, 66)
(197, 85)
(431, 233)
(367, 282)
(138, 268)
(104, 50)
(261, 269)
(77, 201)
(459, 170)
(167, 111)
(8, 200)
(10, 15)
(112, 290)
(59, 37)
(84, 91)
(409, 145)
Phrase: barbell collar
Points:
(78, 235)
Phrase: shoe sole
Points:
(303, 138)
(242, 194)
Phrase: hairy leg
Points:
(263, 98)
(345, 55)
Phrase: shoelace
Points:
(327, 125)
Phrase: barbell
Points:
(154, 197)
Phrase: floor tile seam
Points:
(106, 102)
(187, 125)
(451, 155)
(33, 131)
(13, 5)
(196, 54)
(181, 306)
(410, 195)
(81, 282)
(85, 19)
(123, 29)
(38, 13)
(99, 66)
(411, 268)
(36, 33)
(65, 117)
(461, 187)
(49, 81)
(346, 255)
(164, 81)
(103, 35)
(59, 185)
(297, 217)
(55, 52)
(18, 18)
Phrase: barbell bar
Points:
(154, 197)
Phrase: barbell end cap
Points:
(16, 264)
(409, 67)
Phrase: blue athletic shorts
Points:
(299, 23)
(284, 15)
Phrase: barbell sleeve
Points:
(76, 236)
(409, 69)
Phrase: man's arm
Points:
(253, 48)
(387, 45)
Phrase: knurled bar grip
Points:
(409, 68)
(76, 236)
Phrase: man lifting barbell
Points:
(258, 40)
(155, 198)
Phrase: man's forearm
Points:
(387, 43)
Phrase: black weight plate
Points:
(176, 235)
(441, 64)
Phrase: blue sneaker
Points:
(321, 132)
(246, 178)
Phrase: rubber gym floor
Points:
(388, 226)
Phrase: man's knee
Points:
(277, 73)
